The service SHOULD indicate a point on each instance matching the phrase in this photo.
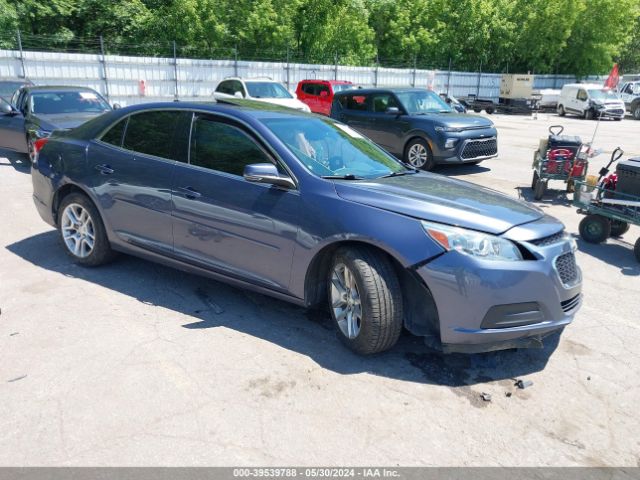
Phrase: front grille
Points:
(570, 304)
(550, 240)
(480, 148)
(616, 111)
(567, 268)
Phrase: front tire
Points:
(595, 228)
(636, 250)
(365, 300)
(635, 111)
(619, 228)
(588, 114)
(535, 180)
(561, 111)
(82, 232)
(540, 189)
(418, 154)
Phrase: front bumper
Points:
(610, 112)
(469, 150)
(492, 305)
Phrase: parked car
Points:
(309, 211)
(417, 126)
(9, 86)
(37, 111)
(590, 101)
(318, 94)
(260, 89)
(630, 93)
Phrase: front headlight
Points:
(448, 129)
(476, 244)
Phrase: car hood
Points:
(62, 121)
(456, 120)
(441, 199)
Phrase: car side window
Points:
(224, 87)
(354, 102)
(383, 101)
(151, 133)
(223, 147)
(582, 95)
(114, 135)
(310, 89)
(323, 88)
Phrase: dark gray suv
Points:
(417, 126)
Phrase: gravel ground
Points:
(138, 364)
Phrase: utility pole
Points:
(479, 77)
(449, 77)
(24, 70)
(175, 70)
(288, 67)
(103, 60)
(375, 72)
(415, 67)
(235, 60)
(335, 67)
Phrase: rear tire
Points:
(560, 111)
(82, 232)
(540, 189)
(588, 114)
(619, 228)
(418, 154)
(595, 229)
(365, 300)
(635, 110)
(636, 250)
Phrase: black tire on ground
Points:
(380, 295)
(535, 180)
(429, 163)
(636, 250)
(618, 119)
(635, 110)
(540, 189)
(489, 110)
(101, 252)
(619, 228)
(477, 109)
(595, 228)
(560, 111)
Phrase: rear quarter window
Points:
(114, 135)
(354, 102)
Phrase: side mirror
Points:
(266, 173)
(116, 106)
(6, 109)
(238, 95)
(392, 111)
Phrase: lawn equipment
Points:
(612, 204)
(559, 157)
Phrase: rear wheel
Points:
(418, 154)
(635, 110)
(636, 249)
(561, 111)
(365, 300)
(540, 189)
(588, 114)
(619, 228)
(595, 228)
(82, 232)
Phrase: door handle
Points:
(190, 193)
(105, 169)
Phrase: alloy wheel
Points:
(78, 231)
(417, 155)
(345, 301)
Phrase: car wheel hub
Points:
(345, 301)
(78, 231)
(418, 155)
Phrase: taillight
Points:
(38, 144)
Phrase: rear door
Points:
(131, 167)
(355, 113)
(225, 223)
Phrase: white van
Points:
(590, 100)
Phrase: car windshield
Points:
(602, 94)
(418, 102)
(333, 149)
(267, 90)
(67, 102)
(7, 88)
(341, 87)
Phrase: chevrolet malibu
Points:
(308, 210)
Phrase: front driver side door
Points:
(12, 134)
(223, 222)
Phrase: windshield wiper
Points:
(348, 176)
(399, 174)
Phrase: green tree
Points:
(630, 57)
(8, 24)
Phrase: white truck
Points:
(630, 93)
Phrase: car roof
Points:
(56, 88)
(588, 86)
(332, 82)
(364, 91)
(251, 79)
